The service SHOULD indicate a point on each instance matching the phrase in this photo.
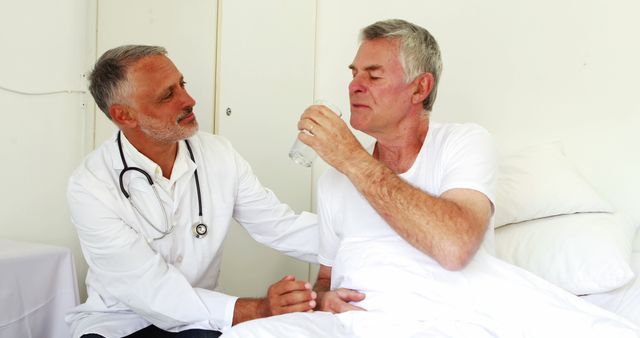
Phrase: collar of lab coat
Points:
(183, 164)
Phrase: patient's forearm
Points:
(449, 228)
(335, 301)
(322, 285)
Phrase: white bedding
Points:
(408, 298)
(624, 301)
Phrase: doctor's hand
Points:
(337, 301)
(284, 296)
(289, 295)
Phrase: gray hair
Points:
(108, 80)
(419, 51)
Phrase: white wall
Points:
(265, 96)
(45, 47)
(188, 32)
(529, 71)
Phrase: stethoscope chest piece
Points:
(199, 230)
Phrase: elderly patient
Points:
(405, 223)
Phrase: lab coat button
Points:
(179, 259)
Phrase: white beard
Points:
(166, 132)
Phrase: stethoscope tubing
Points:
(195, 174)
(168, 226)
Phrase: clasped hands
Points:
(291, 295)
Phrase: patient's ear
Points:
(121, 115)
(423, 85)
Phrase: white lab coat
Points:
(133, 282)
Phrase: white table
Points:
(37, 287)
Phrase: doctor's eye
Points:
(168, 95)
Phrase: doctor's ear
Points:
(424, 84)
(121, 115)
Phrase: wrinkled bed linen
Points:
(409, 295)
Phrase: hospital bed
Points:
(551, 221)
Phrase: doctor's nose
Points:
(186, 99)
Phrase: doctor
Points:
(153, 204)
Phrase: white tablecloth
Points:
(37, 287)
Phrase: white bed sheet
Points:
(407, 297)
(624, 301)
(37, 288)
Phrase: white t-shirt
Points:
(452, 156)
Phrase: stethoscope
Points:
(199, 229)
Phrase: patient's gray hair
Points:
(419, 51)
(108, 81)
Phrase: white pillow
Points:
(539, 181)
(582, 253)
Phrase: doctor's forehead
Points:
(154, 66)
(155, 71)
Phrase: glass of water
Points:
(301, 153)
